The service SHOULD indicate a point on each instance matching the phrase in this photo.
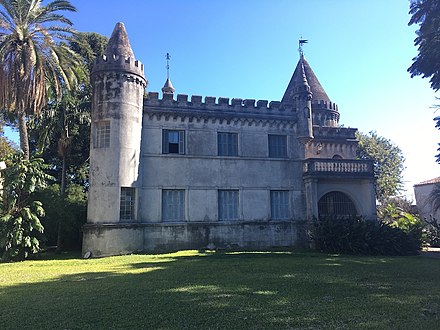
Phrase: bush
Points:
(353, 235)
(432, 232)
(398, 215)
(20, 225)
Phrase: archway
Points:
(336, 203)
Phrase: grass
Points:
(266, 290)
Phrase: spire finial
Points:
(301, 42)
(168, 58)
(168, 87)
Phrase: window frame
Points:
(280, 207)
(180, 143)
(127, 207)
(277, 145)
(227, 144)
(178, 214)
(103, 134)
(228, 211)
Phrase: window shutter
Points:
(165, 143)
(181, 142)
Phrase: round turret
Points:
(118, 85)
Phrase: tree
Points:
(62, 133)
(426, 13)
(33, 58)
(388, 163)
(20, 224)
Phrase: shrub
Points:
(20, 226)
(354, 235)
(432, 232)
(398, 215)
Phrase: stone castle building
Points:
(178, 172)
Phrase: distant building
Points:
(182, 172)
(422, 192)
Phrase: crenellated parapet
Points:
(332, 133)
(225, 105)
(118, 63)
(325, 113)
(322, 104)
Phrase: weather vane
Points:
(301, 42)
(168, 58)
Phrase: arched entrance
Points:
(336, 203)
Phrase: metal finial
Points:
(168, 58)
(301, 42)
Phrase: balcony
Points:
(354, 168)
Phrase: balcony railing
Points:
(354, 167)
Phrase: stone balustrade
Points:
(318, 166)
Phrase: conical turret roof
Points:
(168, 87)
(304, 71)
(119, 44)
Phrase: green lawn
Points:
(273, 290)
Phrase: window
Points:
(173, 142)
(336, 203)
(103, 134)
(277, 146)
(127, 203)
(228, 204)
(279, 204)
(227, 144)
(173, 205)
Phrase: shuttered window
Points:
(126, 211)
(228, 204)
(279, 204)
(173, 205)
(227, 144)
(173, 142)
(277, 146)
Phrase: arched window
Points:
(336, 203)
(337, 156)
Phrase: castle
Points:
(176, 172)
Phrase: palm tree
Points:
(34, 59)
(434, 198)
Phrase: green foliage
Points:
(426, 14)
(437, 125)
(88, 45)
(20, 226)
(432, 232)
(388, 163)
(34, 62)
(395, 216)
(354, 235)
(70, 210)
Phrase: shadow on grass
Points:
(233, 291)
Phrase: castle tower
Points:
(324, 112)
(299, 97)
(118, 84)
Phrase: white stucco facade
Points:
(179, 172)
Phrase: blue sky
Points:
(359, 50)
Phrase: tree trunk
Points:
(62, 193)
(23, 132)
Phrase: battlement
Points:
(345, 133)
(118, 63)
(210, 103)
(322, 104)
